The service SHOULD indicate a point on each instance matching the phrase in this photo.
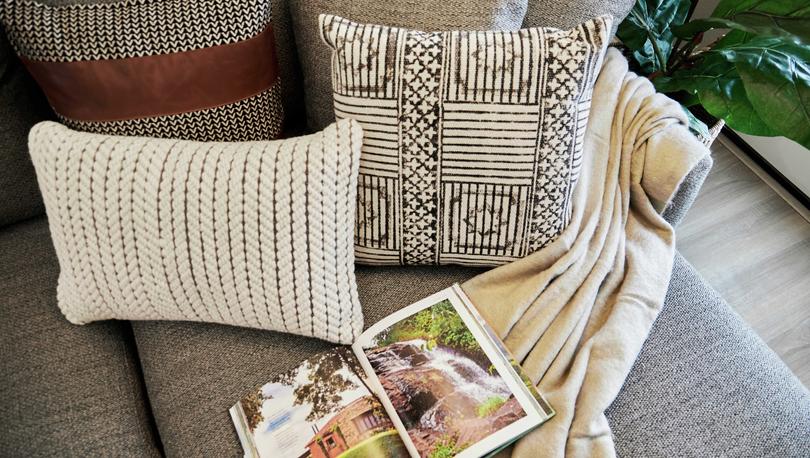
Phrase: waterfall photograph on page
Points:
(444, 387)
(453, 387)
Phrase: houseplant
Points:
(755, 76)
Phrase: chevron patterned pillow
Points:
(201, 70)
(473, 140)
(255, 234)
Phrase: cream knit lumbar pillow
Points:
(256, 234)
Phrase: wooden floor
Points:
(754, 248)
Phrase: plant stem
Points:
(674, 56)
(662, 63)
(681, 55)
(677, 60)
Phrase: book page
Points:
(322, 408)
(447, 382)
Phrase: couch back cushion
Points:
(21, 106)
(430, 15)
(564, 14)
(169, 69)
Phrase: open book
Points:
(430, 380)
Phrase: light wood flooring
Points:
(753, 246)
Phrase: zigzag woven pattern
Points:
(128, 28)
(255, 234)
(254, 118)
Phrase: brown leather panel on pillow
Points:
(104, 90)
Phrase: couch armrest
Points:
(687, 192)
(705, 384)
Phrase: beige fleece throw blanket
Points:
(577, 312)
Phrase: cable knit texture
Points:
(254, 234)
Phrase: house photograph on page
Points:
(321, 409)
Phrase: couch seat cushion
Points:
(65, 390)
(703, 378)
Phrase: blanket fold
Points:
(577, 312)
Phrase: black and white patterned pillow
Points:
(473, 140)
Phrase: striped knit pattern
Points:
(255, 234)
(472, 140)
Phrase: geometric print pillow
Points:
(203, 70)
(472, 140)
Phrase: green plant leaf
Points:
(729, 101)
(698, 127)
(785, 18)
(776, 77)
(646, 58)
(784, 105)
(647, 31)
(797, 29)
(719, 87)
(730, 8)
(632, 31)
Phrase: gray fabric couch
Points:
(704, 384)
